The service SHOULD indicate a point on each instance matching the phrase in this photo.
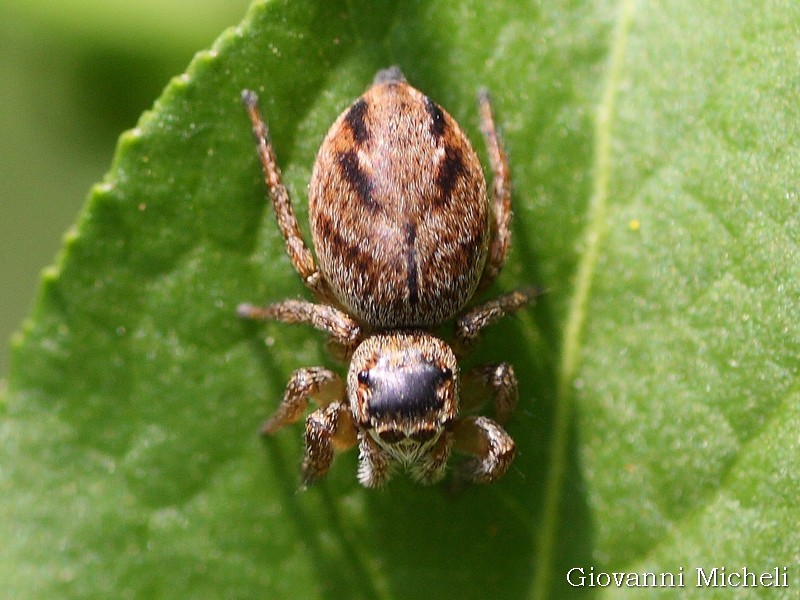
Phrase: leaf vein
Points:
(576, 316)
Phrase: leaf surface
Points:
(654, 159)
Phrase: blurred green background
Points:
(74, 74)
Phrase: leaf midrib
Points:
(576, 314)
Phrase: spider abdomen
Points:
(398, 208)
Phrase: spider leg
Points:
(431, 466)
(342, 328)
(501, 195)
(375, 466)
(469, 325)
(319, 384)
(327, 429)
(301, 257)
(496, 381)
(491, 450)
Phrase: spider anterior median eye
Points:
(392, 436)
(424, 436)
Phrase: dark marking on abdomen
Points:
(437, 118)
(356, 122)
(352, 255)
(450, 169)
(411, 263)
(359, 181)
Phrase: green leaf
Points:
(654, 156)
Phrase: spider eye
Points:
(447, 373)
(363, 377)
(392, 436)
(425, 435)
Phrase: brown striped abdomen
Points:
(398, 209)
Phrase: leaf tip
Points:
(50, 274)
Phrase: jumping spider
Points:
(405, 235)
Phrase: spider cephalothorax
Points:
(403, 396)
